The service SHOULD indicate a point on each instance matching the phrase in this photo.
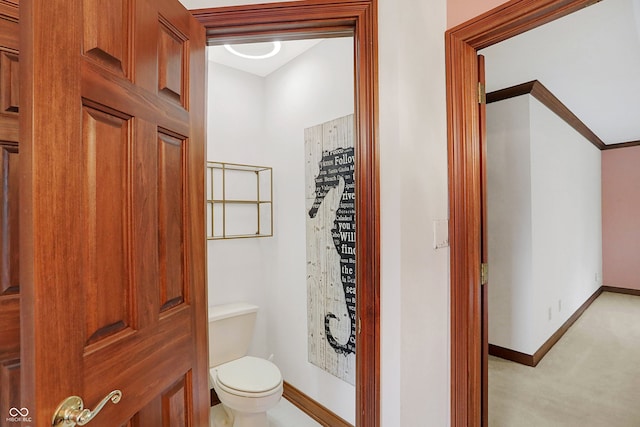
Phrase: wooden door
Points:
(9, 218)
(112, 202)
(484, 258)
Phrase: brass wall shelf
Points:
(239, 201)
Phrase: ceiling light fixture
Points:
(274, 51)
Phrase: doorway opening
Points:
(291, 113)
(462, 44)
(307, 20)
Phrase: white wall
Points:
(314, 88)
(511, 284)
(235, 134)
(566, 220)
(415, 337)
(545, 227)
(415, 276)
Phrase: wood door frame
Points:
(331, 18)
(462, 43)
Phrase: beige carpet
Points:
(590, 378)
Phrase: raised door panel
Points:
(107, 34)
(9, 90)
(172, 61)
(176, 404)
(9, 219)
(106, 282)
(9, 83)
(10, 327)
(9, 391)
(173, 289)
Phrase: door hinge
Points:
(484, 273)
(482, 94)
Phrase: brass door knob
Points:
(71, 411)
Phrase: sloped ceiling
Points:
(590, 60)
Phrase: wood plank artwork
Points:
(331, 257)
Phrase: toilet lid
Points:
(249, 374)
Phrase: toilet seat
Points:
(249, 377)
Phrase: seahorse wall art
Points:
(331, 246)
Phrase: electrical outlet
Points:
(559, 305)
(549, 313)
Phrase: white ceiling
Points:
(590, 60)
(260, 67)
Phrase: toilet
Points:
(246, 386)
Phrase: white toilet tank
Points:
(230, 331)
